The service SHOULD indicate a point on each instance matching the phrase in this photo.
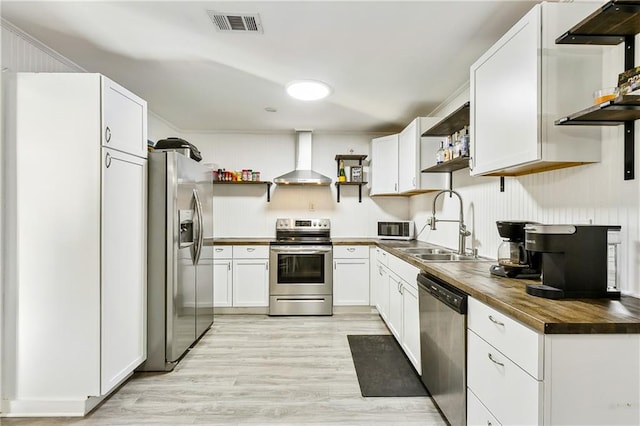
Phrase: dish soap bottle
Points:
(342, 177)
(440, 153)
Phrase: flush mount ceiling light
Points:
(308, 90)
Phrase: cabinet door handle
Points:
(395, 187)
(471, 163)
(495, 321)
(229, 266)
(107, 160)
(335, 265)
(494, 361)
(266, 266)
(351, 249)
(107, 134)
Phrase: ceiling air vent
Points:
(236, 22)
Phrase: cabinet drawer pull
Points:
(251, 249)
(107, 160)
(219, 250)
(495, 321)
(494, 361)
(351, 249)
(107, 134)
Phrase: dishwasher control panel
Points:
(446, 293)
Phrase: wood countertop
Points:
(507, 295)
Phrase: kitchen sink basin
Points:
(421, 251)
(454, 257)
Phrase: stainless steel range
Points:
(301, 274)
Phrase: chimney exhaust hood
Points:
(303, 175)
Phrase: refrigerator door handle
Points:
(200, 230)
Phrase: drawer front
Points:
(517, 341)
(222, 252)
(404, 270)
(350, 252)
(506, 390)
(477, 413)
(382, 256)
(250, 252)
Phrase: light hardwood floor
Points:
(256, 369)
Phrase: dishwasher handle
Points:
(446, 293)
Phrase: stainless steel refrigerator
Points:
(180, 266)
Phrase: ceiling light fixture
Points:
(308, 90)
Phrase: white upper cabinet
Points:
(384, 165)
(414, 154)
(522, 84)
(125, 121)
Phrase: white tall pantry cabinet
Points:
(75, 323)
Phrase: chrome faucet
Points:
(462, 232)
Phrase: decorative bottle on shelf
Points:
(440, 153)
(448, 149)
(342, 177)
(464, 142)
(457, 146)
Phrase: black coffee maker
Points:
(575, 260)
(514, 260)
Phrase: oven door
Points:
(300, 270)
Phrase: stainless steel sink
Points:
(424, 250)
(437, 254)
(451, 257)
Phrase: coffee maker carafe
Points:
(514, 261)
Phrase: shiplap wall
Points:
(21, 52)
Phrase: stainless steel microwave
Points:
(397, 230)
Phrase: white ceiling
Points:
(387, 62)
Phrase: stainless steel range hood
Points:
(303, 175)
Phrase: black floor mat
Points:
(382, 367)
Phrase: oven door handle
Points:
(298, 250)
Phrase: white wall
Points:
(243, 211)
(595, 192)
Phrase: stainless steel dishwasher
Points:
(443, 325)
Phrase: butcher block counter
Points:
(508, 295)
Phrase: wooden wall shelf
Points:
(451, 123)
(247, 182)
(617, 21)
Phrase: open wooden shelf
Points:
(350, 157)
(451, 123)
(247, 182)
(606, 26)
(449, 166)
(610, 113)
(615, 22)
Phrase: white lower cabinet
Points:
(350, 275)
(250, 276)
(477, 413)
(411, 325)
(222, 276)
(398, 303)
(516, 375)
(395, 306)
